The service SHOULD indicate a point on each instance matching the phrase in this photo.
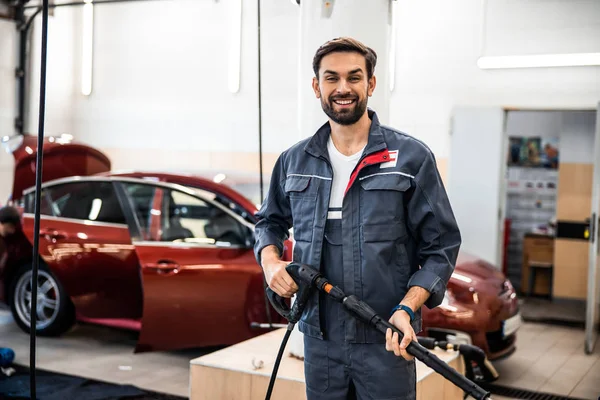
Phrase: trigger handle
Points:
(278, 303)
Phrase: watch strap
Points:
(407, 309)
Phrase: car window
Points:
(45, 203)
(93, 201)
(142, 198)
(186, 218)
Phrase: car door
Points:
(85, 241)
(201, 283)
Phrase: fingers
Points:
(287, 281)
(404, 344)
(396, 344)
(281, 282)
(393, 343)
(388, 339)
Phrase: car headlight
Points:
(446, 299)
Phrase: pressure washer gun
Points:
(300, 274)
(308, 278)
(471, 354)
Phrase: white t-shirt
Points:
(342, 169)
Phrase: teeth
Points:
(344, 102)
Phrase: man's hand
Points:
(275, 274)
(401, 320)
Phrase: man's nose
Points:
(343, 86)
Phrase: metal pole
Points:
(20, 72)
(38, 186)
(260, 151)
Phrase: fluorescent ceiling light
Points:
(235, 45)
(539, 61)
(87, 50)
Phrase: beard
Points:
(345, 116)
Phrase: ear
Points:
(371, 87)
(315, 86)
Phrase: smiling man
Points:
(370, 211)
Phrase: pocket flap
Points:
(386, 181)
(384, 232)
(296, 183)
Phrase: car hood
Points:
(476, 273)
(63, 157)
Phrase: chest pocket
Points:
(383, 197)
(302, 193)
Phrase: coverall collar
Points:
(317, 146)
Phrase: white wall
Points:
(60, 69)
(160, 74)
(8, 63)
(575, 130)
(163, 84)
(440, 41)
(8, 98)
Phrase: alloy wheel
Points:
(48, 299)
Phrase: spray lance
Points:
(308, 279)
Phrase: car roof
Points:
(182, 182)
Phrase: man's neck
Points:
(349, 139)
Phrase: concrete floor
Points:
(549, 359)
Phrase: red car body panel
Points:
(198, 296)
(96, 263)
(182, 295)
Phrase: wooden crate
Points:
(229, 374)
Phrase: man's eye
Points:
(330, 79)
(355, 79)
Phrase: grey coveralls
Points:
(397, 231)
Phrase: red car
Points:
(171, 255)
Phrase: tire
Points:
(56, 313)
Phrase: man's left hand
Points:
(401, 320)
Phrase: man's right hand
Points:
(275, 274)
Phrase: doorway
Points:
(526, 182)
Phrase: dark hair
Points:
(10, 215)
(348, 45)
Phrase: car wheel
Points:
(55, 313)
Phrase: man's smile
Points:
(344, 102)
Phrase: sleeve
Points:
(433, 225)
(274, 216)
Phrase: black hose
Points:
(289, 330)
(38, 191)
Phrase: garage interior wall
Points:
(160, 98)
(8, 98)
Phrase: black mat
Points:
(516, 393)
(56, 386)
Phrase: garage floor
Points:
(549, 359)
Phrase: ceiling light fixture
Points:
(87, 48)
(539, 61)
(235, 45)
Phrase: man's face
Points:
(343, 87)
(7, 229)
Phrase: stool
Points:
(534, 267)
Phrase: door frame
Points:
(593, 293)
